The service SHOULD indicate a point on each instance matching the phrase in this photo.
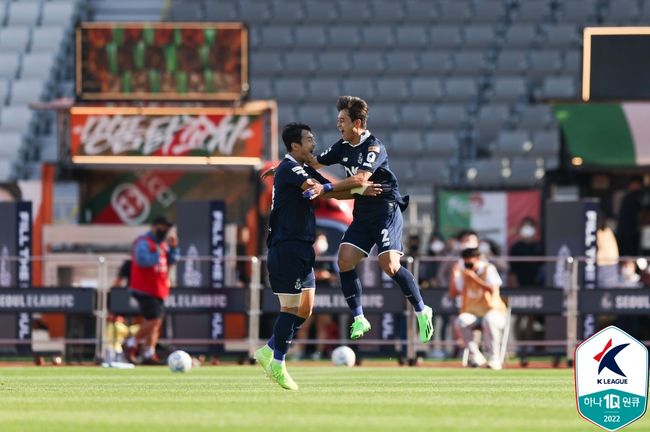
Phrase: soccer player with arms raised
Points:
(290, 243)
(376, 219)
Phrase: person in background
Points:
(478, 283)
(607, 255)
(153, 253)
(527, 274)
(123, 278)
(428, 271)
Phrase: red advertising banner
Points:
(161, 61)
(176, 135)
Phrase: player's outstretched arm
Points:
(370, 189)
(268, 173)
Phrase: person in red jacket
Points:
(152, 255)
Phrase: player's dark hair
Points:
(470, 253)
(357, 108)
(292, 133)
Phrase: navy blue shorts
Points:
(383, 229)
(291, 267)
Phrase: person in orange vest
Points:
(152, 255)
(478, 284)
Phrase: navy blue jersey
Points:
(370, 155)
(292, 215)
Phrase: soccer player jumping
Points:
(376, 220)
(290, 243)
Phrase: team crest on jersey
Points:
(298, 285)
(611, 378)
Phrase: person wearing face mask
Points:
(152, 255)
(527, 274)
(478, 284)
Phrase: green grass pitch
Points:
(240, 398)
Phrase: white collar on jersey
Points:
(364, 136)
(288, 156)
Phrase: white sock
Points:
(356, 317)
(149, 352)
(419, 313)
(131, 342)
(276, 361)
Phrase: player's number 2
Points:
(385, 239)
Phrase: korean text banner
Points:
(169, 132)
(160, 61)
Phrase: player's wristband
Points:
(358, 190)
(328, 187)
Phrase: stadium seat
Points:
(10, 144)
(377, 37)
(333, 63)
(404, 168)
(286, 114)
(405, 144)
(392, 89)
(255, 13)
(578, 11)
(288, 13)
(8, 65)
(512, 62)
(416, 116)
(320, 12)
(344, 37)
(221, 11)
(544, 62)
(37, 65)
(417, 11)
(47, 39)
(260, 88)
(402, 63)
(534, 11)
(435, 63)
(460, 89)
(432, 171)
(277, 37)
(479, 36)
(489, 11)
(382, 115)
(521, 36)
(559, 88)
(15, 118)
(14, 39)
(290, 89)
(362, 87)
(446, 36)
(622, 12)
(324, 90)
(301, 63)
(367, 63)
(483, 172)
(387, 11)
(513, 143)
(24, 13)
(441, 144)
(469, 62)
(316, 116)
(454, 11)
(509, 89)
(561, 36)
(411, 36)
(266, 63)
(546, 143)
(312, 37)
(27, 90)
(534, 117)
(572, 63)
(426, 89)
(58, 13)
(489, 122)
(450, 116)
(525, 171)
